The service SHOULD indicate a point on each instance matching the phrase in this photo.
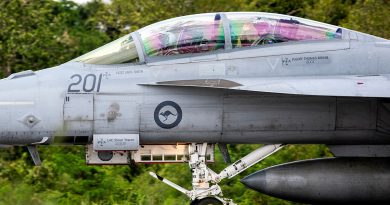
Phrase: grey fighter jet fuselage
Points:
(226, 78)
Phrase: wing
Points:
(353, 86)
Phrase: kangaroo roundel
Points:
(167, 114)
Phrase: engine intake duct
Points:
(326, 181)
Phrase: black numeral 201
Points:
(74, 87)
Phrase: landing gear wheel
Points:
(206, 201)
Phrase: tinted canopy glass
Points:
(188, 34)
(255, 29)
(206, 32)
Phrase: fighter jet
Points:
(170, 92)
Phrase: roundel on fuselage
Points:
(168, 114)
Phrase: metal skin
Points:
(307, 92)
(225, 115)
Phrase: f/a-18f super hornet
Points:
(171, 91)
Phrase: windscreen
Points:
(122, 50)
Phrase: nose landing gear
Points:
(205, 188)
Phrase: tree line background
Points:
(36, 34)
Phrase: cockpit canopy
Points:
(209, 32)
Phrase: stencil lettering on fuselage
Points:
(303, 60)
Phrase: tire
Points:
(206, 201)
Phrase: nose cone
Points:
(18, 108)
(16, 91)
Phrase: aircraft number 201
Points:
(89, 83)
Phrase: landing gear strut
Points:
(205, 188)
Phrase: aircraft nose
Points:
(18, 90)
(18, 115)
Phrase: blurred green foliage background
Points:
(36, 34)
